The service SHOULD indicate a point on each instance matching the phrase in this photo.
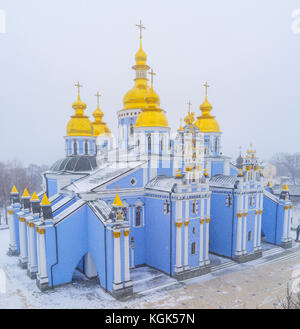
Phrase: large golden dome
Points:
(152, 115)
(207, 122)
(79, 124)
(135, 97)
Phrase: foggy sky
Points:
(246, 50)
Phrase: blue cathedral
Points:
(144, 198)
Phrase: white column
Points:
(12, 232)
(126, 259)
(178, 246)
(259, 221)
(43, 278)
(186, 245)
(285, 223)
(23, 243)
(207, 261)
(289, 222)
(245, 224)
(201, 262)
(32, 245)
(117, 261)
(239, 225)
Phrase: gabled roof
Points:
(102, 176)
(223, 181)
(162, 183)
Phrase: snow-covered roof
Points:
(270, 196)
(162, 183)
(223, 181)
(75, 206)
(105, 174)
(61, 203)
(101, 209)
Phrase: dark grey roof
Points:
(75, 164)
(223, 181)
(162, 183)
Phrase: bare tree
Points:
(287, 165)
(292, 301)
(14, 173)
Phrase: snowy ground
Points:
(260, 283)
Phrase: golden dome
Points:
(152, 115)
(135, 97)
(140, 56)
(207, 122)
(79, 124)
(98, 126)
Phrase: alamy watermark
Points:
(296, 21)
(2, 21)
(2, 282)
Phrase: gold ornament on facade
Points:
(116, 234)
(178, 224)
(126, 233)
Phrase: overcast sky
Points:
(246, 50)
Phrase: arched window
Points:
(216, 145)
(75, 147)
(138, 216)
(193, 248)
(86, 147)
(131, 129)
(149, 143)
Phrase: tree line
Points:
(14, 173)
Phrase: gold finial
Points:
(152, 74)
(45, 201)
(78, 85)
(98, 95)
(141, 27)
(206, 85)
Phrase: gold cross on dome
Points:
(152, 74)
(141, 27)
(78, 85)
(206, 85)
(98, 95)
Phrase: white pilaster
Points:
(42, 275)
(245, 224)
(12, 231)
(207, 261)
(23, 241)
(259, 221)
(239, 225)
(186, 245)
(285, 223)
(117, 261)
(126, 259)
(201, 260)
(178, 247)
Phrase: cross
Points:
(189, 104)
(141, 27)
(98, 96)
(152, 74)
(78, 85)
(206, 86)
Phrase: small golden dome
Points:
(79, 124)
(99, 127)
(140, 56)
(207, 122)
(152, 115)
